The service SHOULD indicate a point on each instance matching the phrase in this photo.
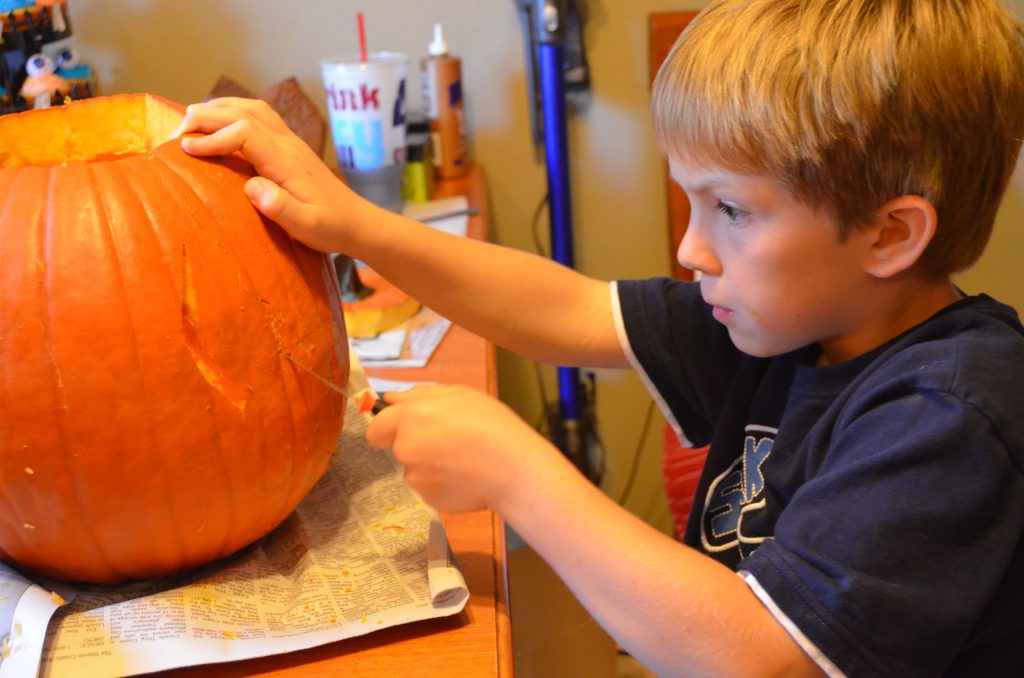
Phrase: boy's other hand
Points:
(462, 450)
(295, 188)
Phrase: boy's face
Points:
(772, 267)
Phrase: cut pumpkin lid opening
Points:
(91, 130)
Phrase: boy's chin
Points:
(758, 347)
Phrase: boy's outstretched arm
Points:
(523, 302)
(676, 610)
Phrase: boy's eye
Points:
(732, 213)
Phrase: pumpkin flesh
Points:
(152, 329)
(383, 309)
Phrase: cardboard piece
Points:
(291, 103)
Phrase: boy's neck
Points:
(890, 310)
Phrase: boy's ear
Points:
(903, 229)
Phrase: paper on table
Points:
(361, 553)
(433, 213)
(409, 346)
(25, 611)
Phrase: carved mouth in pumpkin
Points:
(107, 129)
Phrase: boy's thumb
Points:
(266, 196)
(284, 209)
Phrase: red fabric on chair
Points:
(681, 468)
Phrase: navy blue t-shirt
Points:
(876, 506)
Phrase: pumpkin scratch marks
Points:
(323, 380)
(214, 375)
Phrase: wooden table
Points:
(478, 641)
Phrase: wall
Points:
(178, 49)
(998, 272)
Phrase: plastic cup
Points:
(366, 106)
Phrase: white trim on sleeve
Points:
(819, 658)
(620, 332)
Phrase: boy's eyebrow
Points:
(708, 185)
(704, 186)
(709, 181)
(749, 190)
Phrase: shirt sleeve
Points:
(914, 514)
(679, 350)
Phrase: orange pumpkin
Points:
(164, 351)
(385, 308)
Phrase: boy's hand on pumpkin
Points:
(462, 450)
(295, 188)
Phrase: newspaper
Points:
(411, 345)
(361, 553)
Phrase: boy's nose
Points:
(696, 252)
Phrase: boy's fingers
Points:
(219, 139)
(392, 397)
(243, 138)
(202, 118)
(239, 135)
(214, 122)
(421, 391)
(257, 109)
(381, 431)
(209, 116)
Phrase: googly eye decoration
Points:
(39, 65)
(67, 57)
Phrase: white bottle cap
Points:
(438, 47)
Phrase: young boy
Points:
(862, 507)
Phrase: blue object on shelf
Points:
(554, 32)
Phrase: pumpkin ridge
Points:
(276, 320)
(180, 165)
(88, 525)
(165, 196)
(12, 517)
(297, 252)
(106, 174)
(208, 368)
(310, 469)
(184, 196)
(324, 326)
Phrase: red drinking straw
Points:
(362, 37)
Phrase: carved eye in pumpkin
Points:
(39, 65)
(67, 57)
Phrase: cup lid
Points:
(373, 59)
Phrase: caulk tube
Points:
(443, 105)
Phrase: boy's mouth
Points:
(721, 314)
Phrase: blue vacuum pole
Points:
(549, 26)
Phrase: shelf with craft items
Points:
(39, 63)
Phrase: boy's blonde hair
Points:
(851, 103)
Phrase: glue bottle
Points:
(442, 103)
